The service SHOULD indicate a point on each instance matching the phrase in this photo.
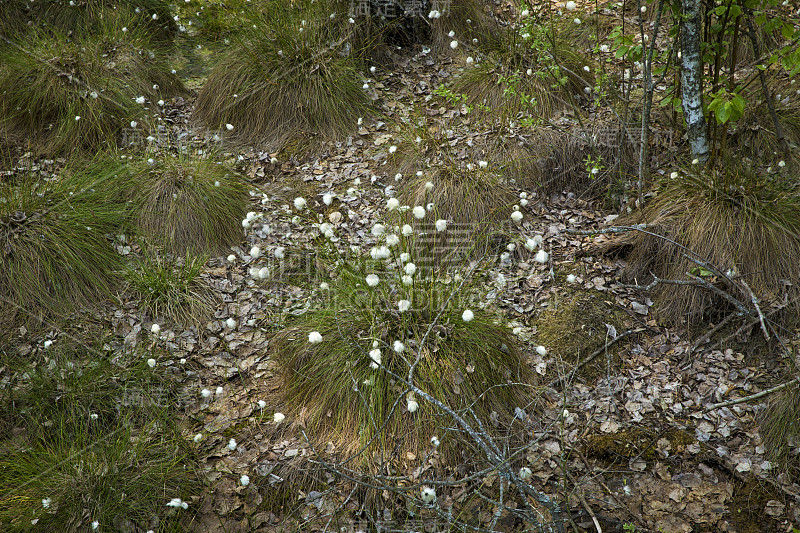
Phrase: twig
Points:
(754, 301)
(584, 502)
(710, 332)
(752, 396)
(613, 229)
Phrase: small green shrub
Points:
(65, 93)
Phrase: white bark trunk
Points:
(692, 79)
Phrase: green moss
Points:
(634, 442)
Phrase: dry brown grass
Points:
(731, 219)
(755, 135)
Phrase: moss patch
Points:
(635, 442)
(575, 326)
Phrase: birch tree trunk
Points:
(692, 79)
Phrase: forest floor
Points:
(628, 436)
(625, 427)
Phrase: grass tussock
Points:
(330, 354)
(172, 289)
(780, 429)
(87, 16)
(54, 253)
(574, 326)
(475, 203)
(188, 204)
(469, 19)
(754, 134)
(95, 439)
(733, 219)
(346, 402)
(293, 75)
(537, 70)
(62, 94)
(552, 161)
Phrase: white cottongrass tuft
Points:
(314, 337)
(299, 203)
(516, 216)
(525, 473)
(378, 230)
(48, 343)
(177, 503)
(327, 198)
(435, 441)
(375, 355)
(134, 123)
(467, 315)
(407, 229)
(47, 502)
(373, 280)
(220, 391)
(205, 393)
(140, 100)
(441, 225)
(571, 6)
(541, 256)
(418, 212)
(483, 164)
(410, 269)
(155, 328)
(255, 252)
(392, 204)
(577, 21)
(412, 406)
(278, 418)
(231, 258)
(261, 404)
(405, 257)
(541, 350)
(470, 60)
(403, 305)
(571, 278)
(151, 363)
(392, 240)
(407, 280)
(232, 444)
(453, 44)
(451, 34)
(399, 347)
(392, 149)
(279, 252)
(428, 494)
(530, 244)
(198, 437)
(428, 185)
(244, 480)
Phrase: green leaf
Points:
(787, 31)
(723, 113)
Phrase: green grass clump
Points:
(476, 204)
(95, 439)
(172, 289)
(731, 218)
(87, 16)
(469, 365)
(498, 86)
(289, 77)
(65, 93)
(54, 252)
(780, 427)
(188, 204)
